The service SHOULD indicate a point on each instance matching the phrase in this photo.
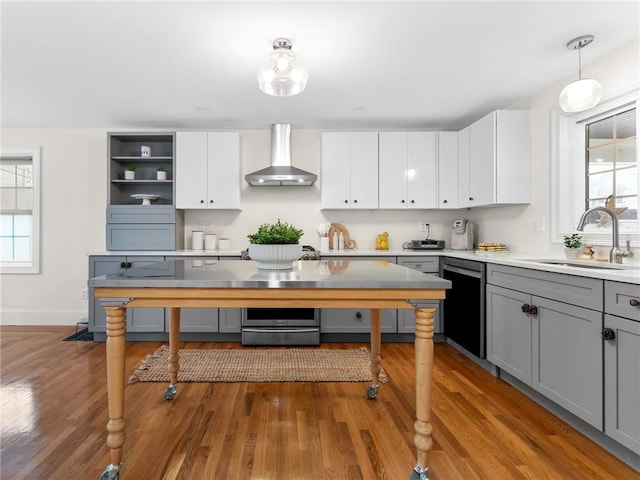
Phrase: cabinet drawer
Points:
(141, 237)
(580, 291)
(140, 214)
(618, 299)
(422, 264)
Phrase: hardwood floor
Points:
(54, 413)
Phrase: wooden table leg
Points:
(174, 356)
(115, 346)
(424, 375)
(375, 357)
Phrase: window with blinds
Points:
(612, 165)
(19, 210)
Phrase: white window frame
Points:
(32, 265)
(567, 143)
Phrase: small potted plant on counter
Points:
(161, 173)
(275, 245)
(572, 244)
(130, 173)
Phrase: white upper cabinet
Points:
(349, 170)
(208, 170)
(495, 160)
(448, 171)
(407, 170)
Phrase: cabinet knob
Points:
(359, 315)
(123, 265)
(346, 201)
(471, 198)
(444, 201)
(355, 201)
(210, 201)
(634, 302)
(402, 201)
(201, 201)
(532, 309)
(525, 307)
(413, 201)
(608, 334)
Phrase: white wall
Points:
(74, 201)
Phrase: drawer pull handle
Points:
(608, 334)
(633, 302)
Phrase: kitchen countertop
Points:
(631, 273)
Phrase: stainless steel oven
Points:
(464, 306)
(282, 326)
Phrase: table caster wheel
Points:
(419, 474)
(170, 392)
(372, 392)
(109, 475)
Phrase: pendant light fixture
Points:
(282, 74)
(582, 94)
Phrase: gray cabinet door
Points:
(567, 357)
(99, 266)
(622, 382)
(355, 320)
(145, 319)
(230, 320)
(509, 332)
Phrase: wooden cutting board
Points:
(348, 242)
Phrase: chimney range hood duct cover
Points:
(280, 173)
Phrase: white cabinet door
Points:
(482, 154)
(223, 175)
(191, 168)
(392, 169)
(407, 166)
(207, 170)
(422, 173)
(336, 170)
(448, 177)
(364, 170)
(349, 170)
(463, 167)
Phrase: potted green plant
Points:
(572, 244)
(130, 173)
(161, 173)
(275, 246)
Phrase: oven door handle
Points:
(462, 271)
(280, 330)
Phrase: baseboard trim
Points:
(42, 317)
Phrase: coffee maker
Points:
(462, 235)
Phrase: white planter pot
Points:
(161, 175)
(129, 175)
(573, 253)
(275, 257)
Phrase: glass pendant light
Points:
(582, 94)
(282, 74)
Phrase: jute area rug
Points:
(256, 365)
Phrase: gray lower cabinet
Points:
(622, 364)
(551, 345)
(406, 318)
(354, 320)
(138, 319)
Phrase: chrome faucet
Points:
(615, 254)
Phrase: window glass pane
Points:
(6, 248)
(6, 225)
(7, 175)
(22, 248)
(22, 225)
(24, 176)
(24, 199)
(7, 198)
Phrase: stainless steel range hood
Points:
(281, 172)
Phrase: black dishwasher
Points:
(463, 308)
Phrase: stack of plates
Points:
(492, 248)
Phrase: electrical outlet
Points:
(83, 293)
(538, 225)
(423, 227)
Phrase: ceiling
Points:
(192, 65)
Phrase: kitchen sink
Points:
(583, 264)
